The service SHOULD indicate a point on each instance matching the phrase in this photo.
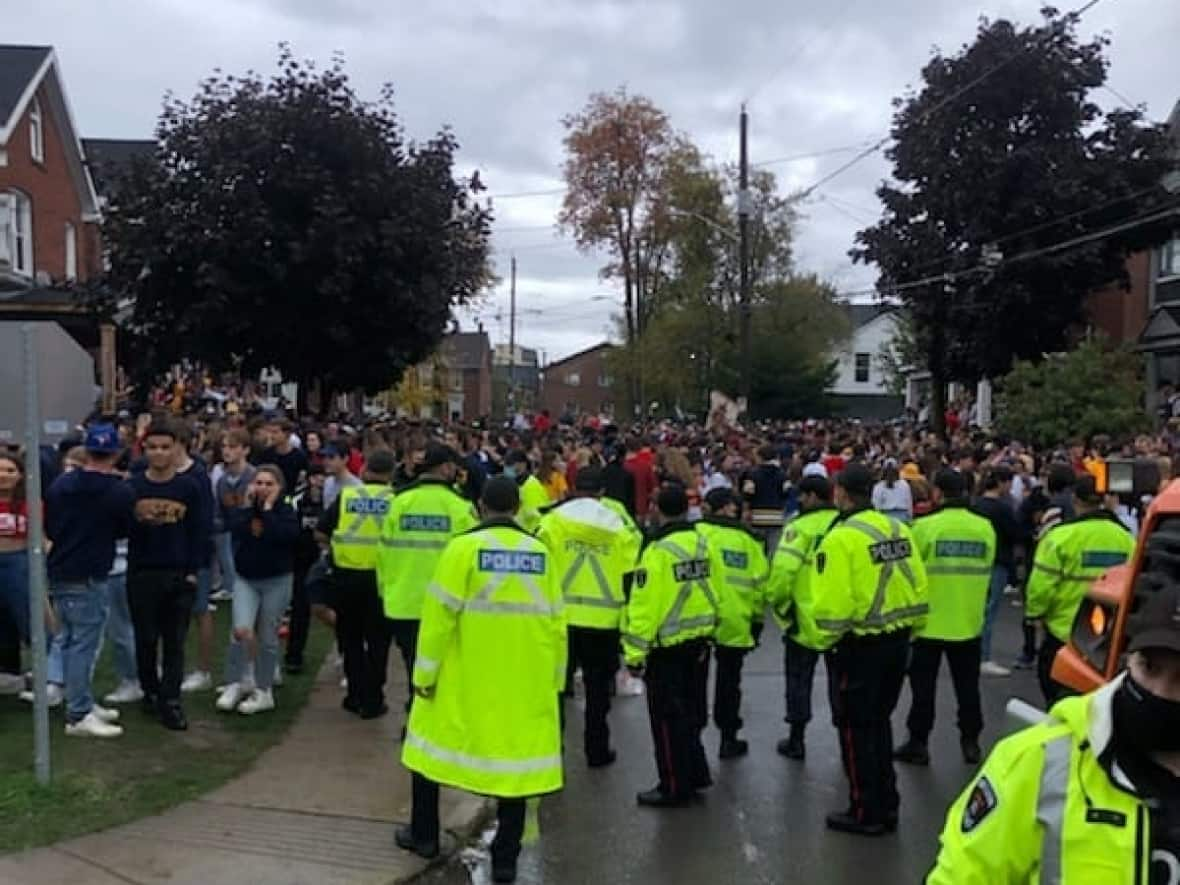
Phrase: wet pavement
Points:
(763, 821)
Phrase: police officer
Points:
(1090, 794)
(671, 615)
(741, 598)
(869, 592)
(790, 586)
(353, 523)
(533, 497)
(486, 720)
(592, 549)
(1069, 558)
(423, 517)
(958, 549)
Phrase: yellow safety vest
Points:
(358, 530)
(673, 599)
(492, 643)
(592, 550)
(958, 548)
(1044, 809)
(423, 518)
(533, 499)
(790, 569)
(867, 578)
(741, 586)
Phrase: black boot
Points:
(172, 716)
(913, 752)
(971, 752)
(792, 745)
(846, 822)
(657, 798)
(404, 837)
(503, 870)
(732, 747)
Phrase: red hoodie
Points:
(641, 465)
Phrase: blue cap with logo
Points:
(102, 439)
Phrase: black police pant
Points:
(925, 659)
(596, 651)
(425, 826)
(405, 634)
(799, 667)
(727, 690)
(300, 622)
(1053, 691)
(677, 706)
(161, 606)
(364, 636)
(865, 675)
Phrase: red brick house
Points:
(468, 360)
(579, 383)
(49, 211)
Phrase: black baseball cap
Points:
(588, 479)
(1157, 622)
(438, 454)
(719, 499)
(856, 479)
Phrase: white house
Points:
(861, 389)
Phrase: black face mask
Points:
(1144, 721)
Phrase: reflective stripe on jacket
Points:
(1044, 809)
(741, 587)
(790, 569)
(422, 519)
(672, 598)
(958, 549)
(866, 578)
(592, 550)
(492, 644)
(1069, 558)
(358, 531)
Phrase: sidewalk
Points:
(317, 809)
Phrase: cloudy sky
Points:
(818, 78)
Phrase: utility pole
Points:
(512, 343)
(744, 254)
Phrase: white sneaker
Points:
(105, 714)
(231, 697)
(259, 702)
(92, 726)
(198, 680)
(991, 668)
(128, 692)
(11, 683)
(221, 595)
(278, 680)
(55, 692)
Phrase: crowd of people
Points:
(658, 548)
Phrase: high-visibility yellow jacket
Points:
(358, 531)
(958, 549)
(673, 599)
(1045, 809)
(741, 586)
(1068, 560)
(533, 499)
(790, 569)
(424, 516)
(492, 644)
(620, 510)
(866, 578)
(592, 550)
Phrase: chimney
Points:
(479, 325)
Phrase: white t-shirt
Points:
(815, 468)
(332, 487)
(893, 500)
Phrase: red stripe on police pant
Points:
(670, 762)
(846, 734)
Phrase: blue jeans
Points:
(223, 551)
(204, 588)
(995, 592)
(82, 610)
(119, 633)
(259, 604)
(14, 589)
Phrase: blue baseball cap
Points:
(102, 439)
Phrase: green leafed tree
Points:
(286, 222)
(1092, 389)
(1004, 170)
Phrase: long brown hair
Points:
(18, 493)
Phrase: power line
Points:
(794, 158)
(939, 105)
(805, 44)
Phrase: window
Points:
(1170, 258)
(604, 380)
(71, 253)
(573, 379)
(36, 131)
(18, 232)
(862, 368)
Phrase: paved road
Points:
(763, 820)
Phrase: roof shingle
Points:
(18, 66)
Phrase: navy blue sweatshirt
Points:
(264, 540)
(85, 511)
(200, 475)
(166, 529)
